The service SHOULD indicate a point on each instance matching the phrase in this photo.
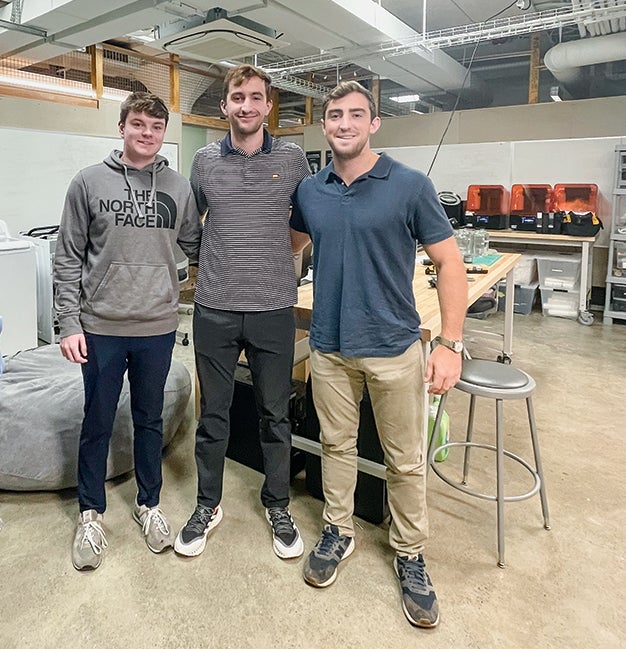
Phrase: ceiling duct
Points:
(567, 61)
(217, 37)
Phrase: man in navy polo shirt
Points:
(364, 214)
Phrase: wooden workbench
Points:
(426, 300)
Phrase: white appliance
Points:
(18, 294)
(44, 241)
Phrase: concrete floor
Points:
(561, 588)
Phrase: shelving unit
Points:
(615, 301)
(560, 285)
(513, 239)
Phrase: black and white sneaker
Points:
(287, 540)
(419, 601)
(191, 539)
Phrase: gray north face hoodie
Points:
(114, 268)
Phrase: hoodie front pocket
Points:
(134, 292)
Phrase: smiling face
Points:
(246, 106)
(348, 124)
(143, 138)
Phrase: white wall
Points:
(563, 142)
(44, 144)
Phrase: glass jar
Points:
(464, 241)
(480, 243)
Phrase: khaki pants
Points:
(396, 389)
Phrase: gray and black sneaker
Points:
(191, 539)
(287, 540)
(89, 541)
(320, 569)
(154, 526)
(419, 601)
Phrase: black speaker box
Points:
(244, 445)
(370, 496)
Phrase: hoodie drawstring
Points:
(132, 193)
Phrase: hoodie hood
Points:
(114, 160)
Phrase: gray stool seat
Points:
(492, 380)
(487, 374)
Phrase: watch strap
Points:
(454, 345)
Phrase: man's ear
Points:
(120, 126)
(375, 125)
(223, 106)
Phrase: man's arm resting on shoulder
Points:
(299, 240)
(443, 369)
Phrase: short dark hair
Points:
(236, 76)
(144, 102)
(345, 88)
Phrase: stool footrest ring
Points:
(478, 494)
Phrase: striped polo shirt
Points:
(246, 262)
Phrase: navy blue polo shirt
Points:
(364, 243)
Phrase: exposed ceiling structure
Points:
(470, 53)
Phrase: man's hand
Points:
(443, 369)
(74, 348)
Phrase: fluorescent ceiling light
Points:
(554, 93)
(405, 99)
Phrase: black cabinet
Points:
(244, 445)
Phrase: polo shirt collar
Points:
(227, 147)
(380, 170)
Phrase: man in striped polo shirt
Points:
(244, 299)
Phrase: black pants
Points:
(268, 339)
(147, 359)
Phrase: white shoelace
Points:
(156, 516)
(91, 531)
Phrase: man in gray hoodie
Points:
(116, 286)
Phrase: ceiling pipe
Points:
(567, 60)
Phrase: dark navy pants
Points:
(147, 360)
(268, 339)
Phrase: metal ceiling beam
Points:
(595, 12)
(26, 29)
(299, 86)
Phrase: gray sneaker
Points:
(155, 527)
(320, 569)
(89, 542)
(419, 601)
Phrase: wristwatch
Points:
(454, 345)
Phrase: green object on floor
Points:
(443, 434)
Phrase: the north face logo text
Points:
(161, 214)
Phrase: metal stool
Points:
(480, 378)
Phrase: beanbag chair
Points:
(41, 412)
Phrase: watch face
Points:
(457, 346)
